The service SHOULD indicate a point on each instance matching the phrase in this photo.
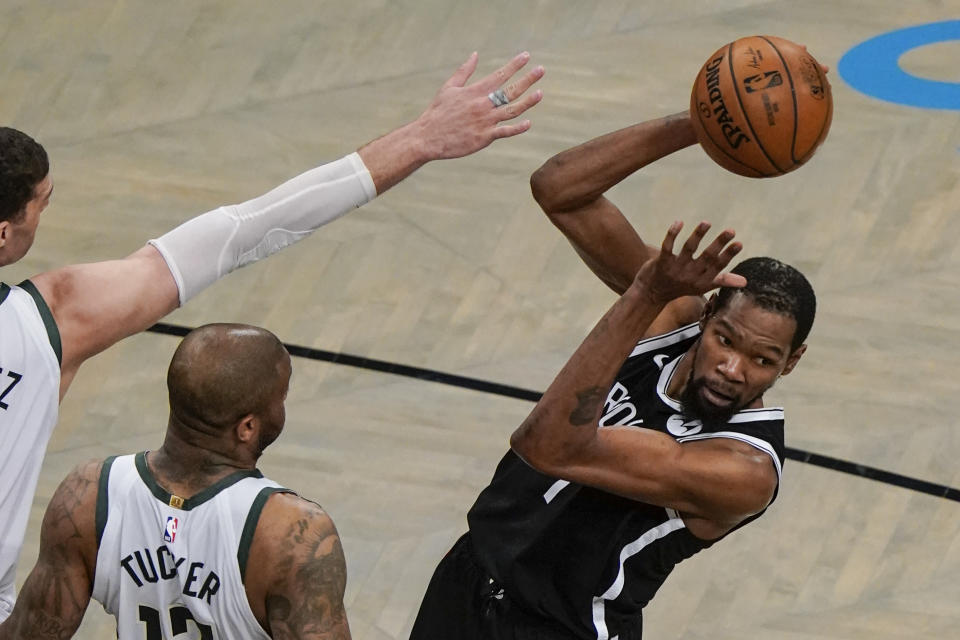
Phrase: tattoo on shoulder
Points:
(313, 604)
(589, 402)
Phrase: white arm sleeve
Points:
(204, 249)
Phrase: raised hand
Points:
(463, 119)
(670, 276)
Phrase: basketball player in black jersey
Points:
(640, 454)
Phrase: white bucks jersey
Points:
(29, 398)
(172, 568)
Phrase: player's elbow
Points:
(546, 186)
(522, 442)
(545, 455)
(752, 496)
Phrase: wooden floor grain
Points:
(155, 112)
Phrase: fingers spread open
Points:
(507, 130)
(728, 254)
(671, 237)
(516, 89)
(514, 109)
(730, 280)
(462, 74)
(714, 249)
(694, 240)
(504, 73)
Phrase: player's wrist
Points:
(394, 156)
(642, 294)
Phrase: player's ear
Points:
(247, 429)
(793, 359)
(4, 232)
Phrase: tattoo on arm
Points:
(589, 402)
(311, 605)
(57, 591)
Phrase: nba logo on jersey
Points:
(170, 531)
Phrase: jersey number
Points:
(178, 623)
(15, 378)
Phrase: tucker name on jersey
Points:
(146, 566)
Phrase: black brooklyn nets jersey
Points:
(589, 559)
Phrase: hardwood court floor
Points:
(154, 112)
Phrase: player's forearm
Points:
(393, 157)
(208, 247)
(36, 624)
(575, 177)
(564, 421)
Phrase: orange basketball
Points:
(761, 106)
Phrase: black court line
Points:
(476, 384)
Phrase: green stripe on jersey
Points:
(53, 333)
(250, 526)
(103, 501)
(196, 499)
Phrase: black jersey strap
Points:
(103, 498)
(53, 333)
(250, 526)
(4, 291)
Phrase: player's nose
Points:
(731, 367)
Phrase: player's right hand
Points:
(462, 119)
(669, 276)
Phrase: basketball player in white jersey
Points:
(192, 539)
(50, 324)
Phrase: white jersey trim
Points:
(665, 340)
(674, 523)
(757, 415)
(666, 375)
(754, 442)
(554, 489)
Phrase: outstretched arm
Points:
(95, 305)
(298, 574)
(55, 596)
(569, 188)
(720, 482)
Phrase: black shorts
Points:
(463, 603)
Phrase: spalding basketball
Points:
(761, 106)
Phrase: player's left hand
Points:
(670, 276)
(463, 119)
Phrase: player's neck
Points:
(185, 466)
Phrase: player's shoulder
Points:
(289, 520)
(71, 514)
(87, 472)
(81, 485)
(677, 314)
(294, 537)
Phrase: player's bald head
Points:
(223, 372)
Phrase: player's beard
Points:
(695, 406)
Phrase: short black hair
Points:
(23, 165)
(778, 287)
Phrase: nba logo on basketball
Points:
(170, 531)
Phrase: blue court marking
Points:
(872, 67)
